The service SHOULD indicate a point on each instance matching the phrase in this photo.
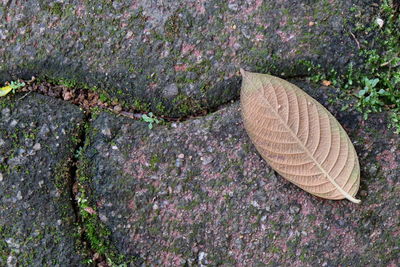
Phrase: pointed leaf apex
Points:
(243, 72)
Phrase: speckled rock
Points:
(197, 193)
(36, 215)
(176, 57)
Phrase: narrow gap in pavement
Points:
(87, 100)
(73, 192)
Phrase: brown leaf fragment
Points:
(326, 83)
(90, 210)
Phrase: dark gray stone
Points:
(171, 90)
(36, 216)
(135, 50)
(234, 210)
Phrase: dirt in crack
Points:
(89, 99)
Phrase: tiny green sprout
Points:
(150, 119)
(16, 85)
(370, 98)
(103, 97)
(11, 87)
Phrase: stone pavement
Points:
(91, 188)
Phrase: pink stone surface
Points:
(198, 190)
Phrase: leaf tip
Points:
(242, 72)
(354, 200)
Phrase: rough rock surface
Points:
(198, 193)
(36, 215)
(177, 56)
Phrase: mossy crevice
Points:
(95, 236)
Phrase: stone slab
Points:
(37, 220)
(198, 193)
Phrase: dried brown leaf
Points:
(299, 138)
(326, 83)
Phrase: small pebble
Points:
(206, 160)
(28, 142)
(13, 123)
(37, 146)
(178, 163)
(106, 131)
(178, 188)
(67, 95)
(294, 209)
(19, 195)
(5, 112)
(233, 6)
(117, 108)
(20, 151)
(255, 204)
(372, 170)
(202, 258)
(44, 131)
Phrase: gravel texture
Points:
(36, 216)
(176, 57)
(197, 193)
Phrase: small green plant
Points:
(103, 97)
(79, 152)
(370, 99)
(16, 85)
(11, 87)
(150, 119)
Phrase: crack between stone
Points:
(79, 197)
(84, 247)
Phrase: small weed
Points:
(16, 85)
(11, 87)
(153, 162)
(150, 119)
(79, 152)
(370, 99)
(103, 98)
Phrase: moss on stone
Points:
(56, 8)
(172, 26)
(95, 232)
(185, 105)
